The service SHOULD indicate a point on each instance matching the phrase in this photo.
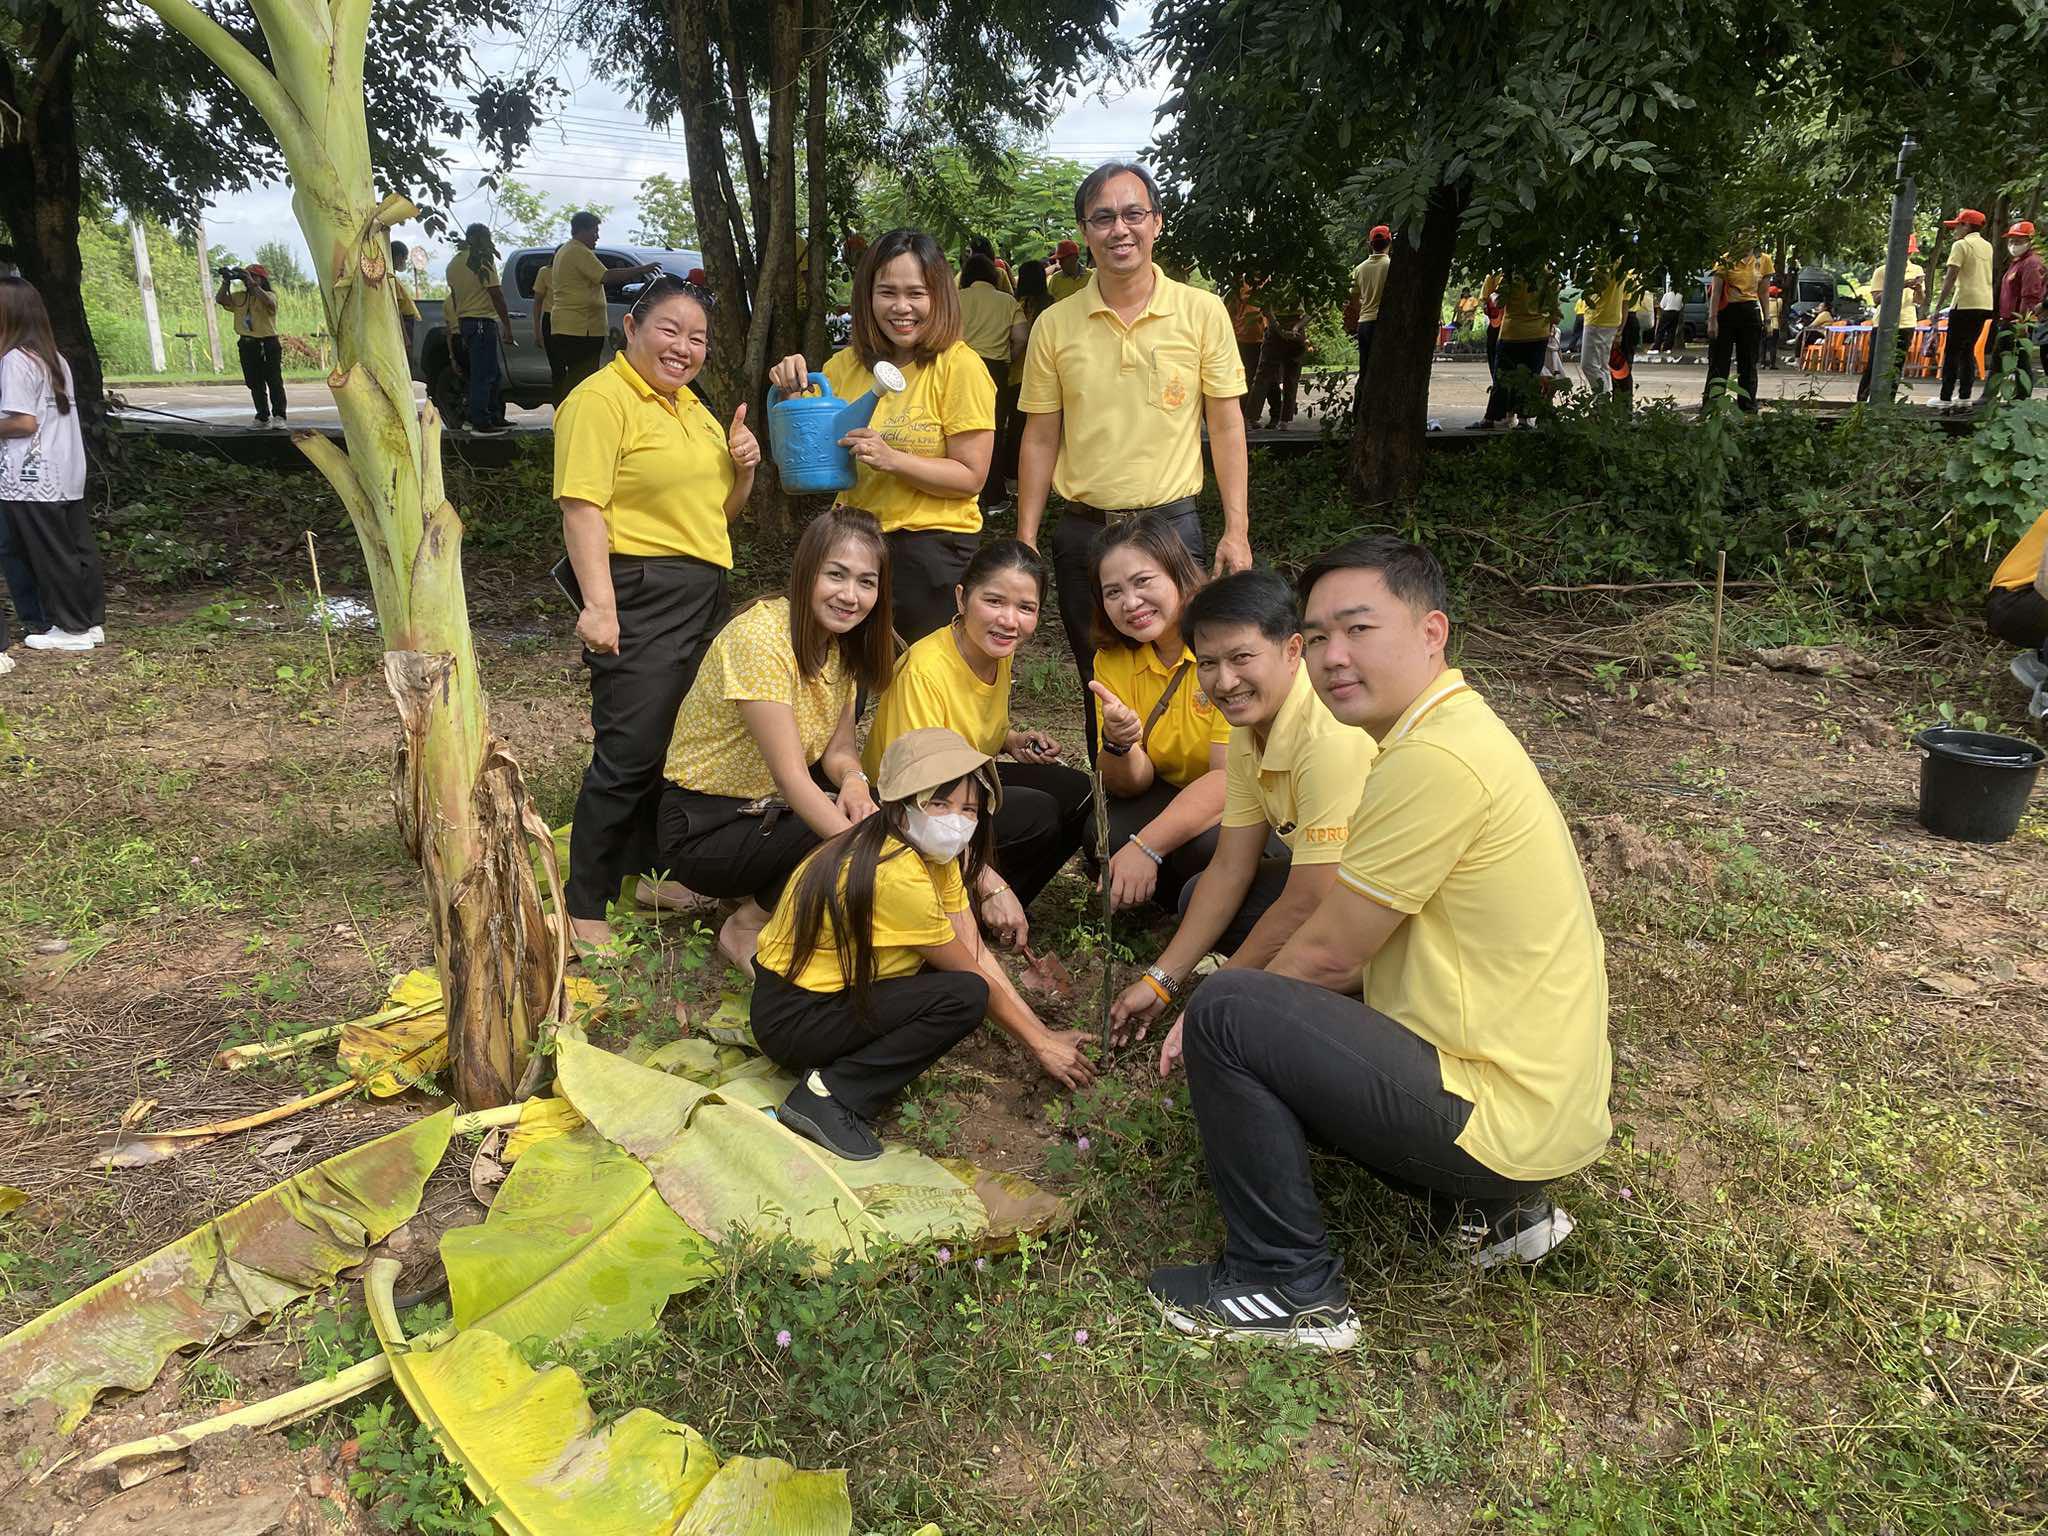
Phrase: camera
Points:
(229, 274)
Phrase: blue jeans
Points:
(21, 584)
(486, 394)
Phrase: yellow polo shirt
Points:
(1525, 314)
(469, 296)
(752, 661)
(1368, 282)
(1499, 965)
(1970, 259)
(657, 466)
(1189, 725)
(1304, 783)
(1060, 285)
(255, 313)
(1605, 305)
(986, 315)
(951, 394)
(914, 899)
(577, 293)
(1742, 281)
(2023, 562)
(934, 685)
(1131, 433)
(544, 291)
(1909, 312)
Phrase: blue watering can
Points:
(804, 432)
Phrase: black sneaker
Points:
(1525, 1231)
(1198, 1299)
(815, 1115)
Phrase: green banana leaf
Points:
(529, 1450)
(213, 1282)
(577, 1245)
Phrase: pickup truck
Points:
(526, 365)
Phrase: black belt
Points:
(1115, 515)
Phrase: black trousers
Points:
(1492, 353)
(1669, 324)
(1248, 359)
(1129, 815)
(708, 845)
(262, 360)
(1738, 336)
(925, 565)
(56, 537)
(1046, 812)
(1073, 540)
(912, 1022)
(1268, 881)
(21, 580)
(552, 345)
(1626, 340)
(1959, 356)
(1278, 384)
(579, 355)
(1904, 341)
(1365, 333)
(993, 487)
(669, 608)
(2018, 614)
(1275, 1066)
(1517, 366)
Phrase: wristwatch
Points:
(1165, 981)
(1113, 749)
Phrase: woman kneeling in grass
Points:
(872, 966)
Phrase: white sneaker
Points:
(97, 635)
(6, 663)
(58, 640)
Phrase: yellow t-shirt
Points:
(1131, 435)
(255, 313)
(577, 299)
(913, 901)
(469, 296)
(1605, 305)
(751, 660)
(1368, 282)
(2023, 562)
(1970, 259)
(1189, 725)
(1060, 285)
(943, 398)
(1499, 965)
(408, 309)
(657, 466)
(986, 315)
(1304, 783)
(1525, 314)
(934, 685)
(1742, 281)
(544, 291)
(1909, 311)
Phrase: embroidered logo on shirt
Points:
(1326, 834)
(1202, 704)
(1175, 394)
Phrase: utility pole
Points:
(1884, 363)
(206, 304)
(147, 284)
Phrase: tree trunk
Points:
(704, 148)
(743, 122)
(40, 196)
(743, 242)
(817, 48)
(1389, 442)
(773, 310)
(462, 807)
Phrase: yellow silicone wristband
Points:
(1153, 983)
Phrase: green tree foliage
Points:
(522, 216)
(666, 217)
(282, 263)
(1023, 202)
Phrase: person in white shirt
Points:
(42, 475)
(1669, 346)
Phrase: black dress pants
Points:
(1132, 814)
(1275, 1066)
(1269, 880)
(1517, 366)
(708, 844)
(669, 608)
(579, 355)
(2018, 614)
(1045, 815)
(1903, 342)
(912, 1022)
(925, 565)
(1738, 336)
(1959, 355)
(56, 539)
(262, 359)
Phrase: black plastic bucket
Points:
(1973, 784)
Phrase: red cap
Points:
(257, 269)
(1067, 248)
(1969, 216)
(696, 275)
(2024, 230)
(1380, 232)
(1912, 245)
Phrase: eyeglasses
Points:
(1103, 220)
(665, 285)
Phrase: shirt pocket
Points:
(1175, 378)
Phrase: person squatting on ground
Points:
(47, 549)
(1292, 775)
(1162, 741)
(2017, 609)
(921, 461)
(1119, 381)
(1475, 1069)
(647, 481)
(873, 966)
(764, 765)
(958, 677)
(256, 343)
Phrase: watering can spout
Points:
(804, 432)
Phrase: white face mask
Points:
(2018, 247)
(939, 837)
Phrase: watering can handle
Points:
(820, 383)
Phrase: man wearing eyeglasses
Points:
(1118, 384)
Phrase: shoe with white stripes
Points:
(1198, 1299)
(1525, 1232)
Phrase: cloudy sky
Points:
(598, 150)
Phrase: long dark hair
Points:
(25, 326)
(1031, 290)
(942, 328)
(820, 894)
(1149, 535)
(868, 650)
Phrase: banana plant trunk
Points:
(462, 805)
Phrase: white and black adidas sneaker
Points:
(1523, 1233)
(1199, 1300)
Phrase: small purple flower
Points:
(1627, 1193)
(980, 1264)
(945, 1255)
(782, 1339)
(1080, 1335)
(1045, 1357)
(1081, 1145)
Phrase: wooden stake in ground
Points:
(1720, 591)
(320, 607)
(1108, 904)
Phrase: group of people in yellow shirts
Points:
(1408, 969)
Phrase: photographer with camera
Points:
(255, 312)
